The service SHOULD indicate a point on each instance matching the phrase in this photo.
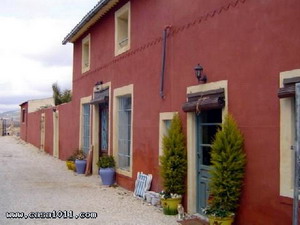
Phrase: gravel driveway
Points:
(32, 181)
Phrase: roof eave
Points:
(102, 7)
(23, 103)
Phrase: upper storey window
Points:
(122, 29)
(86, 54)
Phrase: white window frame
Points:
(118, 18)
(84, 100)
(287, 138)
(163, 129)
(119, 92)
(85, 66)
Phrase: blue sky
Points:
(31, 54)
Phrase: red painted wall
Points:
(49, 131)
(33, 128)
(68, 131)
(245, 42)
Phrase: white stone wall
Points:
(34, 105)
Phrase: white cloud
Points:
(31, 54)
(7, 107)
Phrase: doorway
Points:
(103, 129)
(207, 124)
(100, 122)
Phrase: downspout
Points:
(163, 64)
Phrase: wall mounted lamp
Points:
(98, 85)
(199, 74)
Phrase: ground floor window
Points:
(123, 109)
(124, 132)
(165, 119)
(86, 115)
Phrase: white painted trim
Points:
(95, 128)
(191, 141)
(83, 100)
(86, 40)
(122, 10)
(162, 129)
(287, 137)
(122, 91)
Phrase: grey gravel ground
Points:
(32, 181)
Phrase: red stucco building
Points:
(133, 68)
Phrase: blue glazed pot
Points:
(107, 175)
(80, 166)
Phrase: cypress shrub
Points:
(173, 161)
(228, 167)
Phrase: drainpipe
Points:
(163, 64)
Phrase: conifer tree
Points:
(228, 164)
(173, 161)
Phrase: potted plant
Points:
(71, 162)
(228, 167)
(80, 162)
(107, 170)
(173, 167)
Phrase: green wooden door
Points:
(206, 128)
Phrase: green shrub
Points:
(80, 155)
(173, 161)
(106, 161)
(228, 167)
